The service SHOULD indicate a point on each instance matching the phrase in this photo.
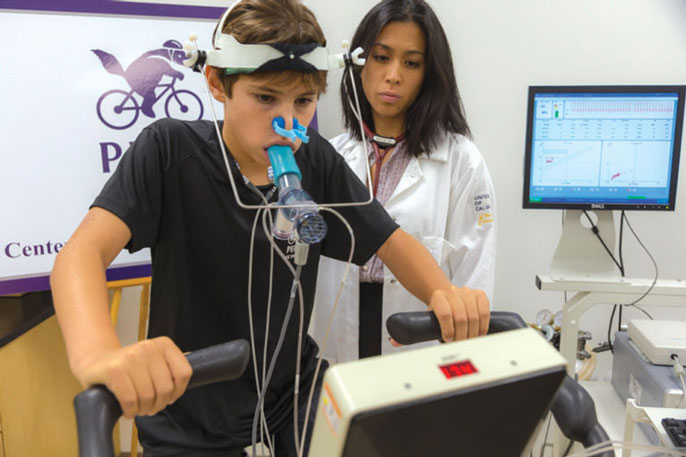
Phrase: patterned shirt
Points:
(391, 173)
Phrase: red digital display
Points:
(457, 369)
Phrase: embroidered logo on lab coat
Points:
(485, 218)
(482, 205)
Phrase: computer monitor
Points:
(480, 397)
(603, 147)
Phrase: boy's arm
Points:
(461, 312)
(144, 377)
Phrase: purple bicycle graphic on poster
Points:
(120, 109)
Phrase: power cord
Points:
(679, 372)
(545, 437)
(609, 330)
(621, 262)
(569, 448)
(654, 265)
(606, 446)
(620, 265)
(594, 229)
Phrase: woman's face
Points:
(393, 73)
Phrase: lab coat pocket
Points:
(440, 249)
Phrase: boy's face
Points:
(249, 112)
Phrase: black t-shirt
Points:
(172, 191)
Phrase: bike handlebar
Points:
(411, 328)
(97, 409)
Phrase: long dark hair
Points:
(438, 107)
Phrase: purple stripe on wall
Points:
(133, 271)
(17, 286)
(37, 283)
(115, 7)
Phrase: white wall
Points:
(499, 48)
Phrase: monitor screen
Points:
(603, 147)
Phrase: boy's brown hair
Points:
(275, 21)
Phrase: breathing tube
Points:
(301, 213)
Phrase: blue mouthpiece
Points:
(283, 161)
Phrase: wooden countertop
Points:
(19, 314)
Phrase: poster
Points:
(85, 77)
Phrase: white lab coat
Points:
(447, 202)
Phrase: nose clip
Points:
(298, 131)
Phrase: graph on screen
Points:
(602, 145)
(638, 164)
(567, 163)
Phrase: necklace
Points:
(270, 173)
(251, 186)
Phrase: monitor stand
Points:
(579, 255)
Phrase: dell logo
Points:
(597, 206)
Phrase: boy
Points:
(171, 193)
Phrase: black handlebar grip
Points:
(502, 321)
(97, 409)
(222, 362)
(411, 328)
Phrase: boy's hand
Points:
(462, 312)
(145, 376)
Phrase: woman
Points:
(425, 171)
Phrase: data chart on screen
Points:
(598, 147)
